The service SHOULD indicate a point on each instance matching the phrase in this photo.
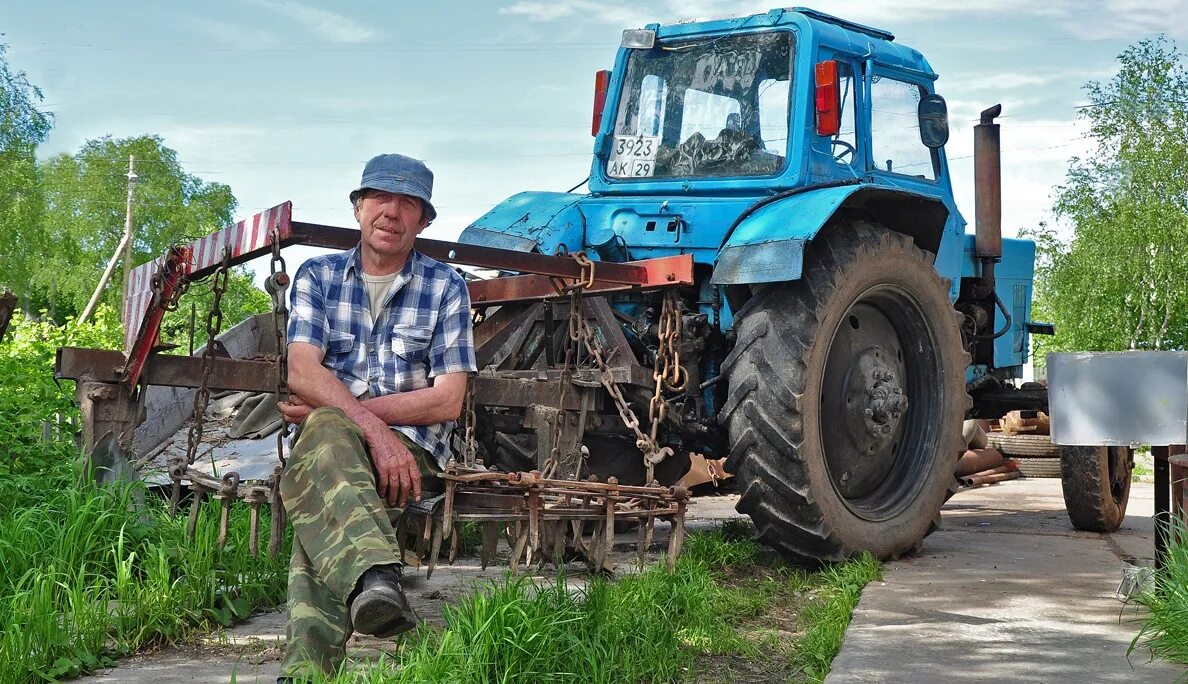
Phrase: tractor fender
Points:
(767, 246)
(530, 221)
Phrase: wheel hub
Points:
(884, 400)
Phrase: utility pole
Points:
(123, 249)
(128, 226)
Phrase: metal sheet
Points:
(1118, 398)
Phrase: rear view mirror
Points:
(934, 121)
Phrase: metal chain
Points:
(214, 322)
(276, 284)
(652, 452)
(668, 372)
(469, 442)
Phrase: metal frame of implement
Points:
(539, 509)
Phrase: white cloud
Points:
(1084, 19)
(330, 25)
(630, 13)
(233, 34)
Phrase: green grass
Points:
(84, 575)
(1165, 629)
(715, 607)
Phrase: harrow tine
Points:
(174, 498)
(447, 513)
(608, 537)
(278, 515)
(534, 509)
(594, 548)
(424, 535)
(559, 544)
(676, 540)
(401, 536)
(521, 544)
(490, 543)
(254, 524)
(224, 521)
(228, 490)
(455, 541)
(434, 545)
(195, 508)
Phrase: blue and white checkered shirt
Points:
(423, 331)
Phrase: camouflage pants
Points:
(341, 528)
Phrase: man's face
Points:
(390, 223)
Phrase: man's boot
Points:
(378, 605)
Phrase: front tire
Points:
(846, 399)
(1096, 485)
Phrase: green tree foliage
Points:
(85, 202)
(1119, 283)
(22, 128)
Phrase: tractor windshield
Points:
(708, 107)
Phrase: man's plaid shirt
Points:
(423, 331)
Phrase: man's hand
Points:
(295, 410)
(396, 467)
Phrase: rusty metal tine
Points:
(677, 539)
(490, 543)
(534, 506)
(434, 547)
(278, 513)
(455, 541)
(174, 498)
(424, 535)
(559, 543)
(641, 544)
(401, 535)
(254, 524)
(579, 544)
(594, 549)
(224, 519)
(195, 509)
(609, 536)
(521, 543)
(447, 513)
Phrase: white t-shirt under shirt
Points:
(377, 291)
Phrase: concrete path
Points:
(1007, 591)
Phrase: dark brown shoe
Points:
(378, 605)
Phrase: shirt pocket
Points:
(411, 342)
(339, 345)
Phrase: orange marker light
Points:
(828, 98)
(601, 85)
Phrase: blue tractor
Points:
(840, 323)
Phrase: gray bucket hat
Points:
(398, 174)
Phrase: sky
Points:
(287, 99)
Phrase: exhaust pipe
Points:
(988, 194)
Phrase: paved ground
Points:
(1006, 592)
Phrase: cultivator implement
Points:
(554, 361)
(542, 519)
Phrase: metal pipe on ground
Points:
(976, 460)
(1008, 467)
(991, 479)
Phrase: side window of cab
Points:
(895, 129)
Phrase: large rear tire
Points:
(1096, 485)
(846, 399)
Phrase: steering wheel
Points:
(847, 149)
